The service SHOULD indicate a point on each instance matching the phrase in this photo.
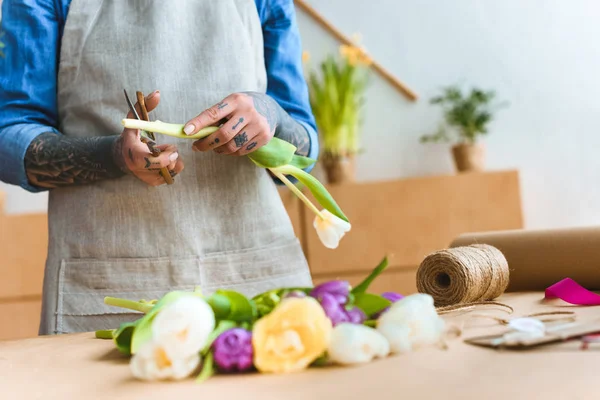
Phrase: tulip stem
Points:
(104, 334)
(128, 304)
(297, 192)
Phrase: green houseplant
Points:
(467, 116)
(336, 97)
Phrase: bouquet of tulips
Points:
(280, 331)
(279, 157)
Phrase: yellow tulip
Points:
(291, 337)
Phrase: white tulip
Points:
(411, 323)
(330, 229)
(182, 328)
(356, 344)
(153, 362)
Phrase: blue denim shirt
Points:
(32, 31)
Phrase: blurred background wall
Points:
(540, 55)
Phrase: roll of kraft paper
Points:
(540, 258)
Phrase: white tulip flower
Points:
(330, 228)
(356, 344)
(411, 323)
(182, 328)
(153, 362)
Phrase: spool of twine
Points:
(463, 275)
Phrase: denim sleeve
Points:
(283, 61)
(28, 76)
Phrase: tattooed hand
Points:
(53, 160)
(134, 157)
(249, 121)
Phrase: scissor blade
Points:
(136, 115)
(131, 107)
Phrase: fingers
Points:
(212, 115)
(176, 170)
(238, 143)
(253, 144)
(226, 133)
(152, 101)
(141, 159)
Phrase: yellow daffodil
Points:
(305, 57)
(330, 229)
(291, 337)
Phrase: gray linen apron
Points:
(222, 225)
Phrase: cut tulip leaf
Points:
(242, 309)
(301, 162)
(123, 336)
(364, 285)
(316, 188)
(370, 303)
(274, 154)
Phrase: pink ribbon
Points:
(570, 291)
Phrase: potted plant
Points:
(336, 97)
(467, 117)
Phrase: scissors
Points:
(147, 137)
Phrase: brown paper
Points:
(540, 258)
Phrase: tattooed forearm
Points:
(286, 127)
(53, 160)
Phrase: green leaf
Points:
(220, 304)
(316, 188)
(370, 323)
(242, 309)
(123, 336)
(143, 331)
(371, 303)
(274, 154)
(364, 285)
(301, 162)
(207, 369)
(222, 327)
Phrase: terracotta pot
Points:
(339, 169)
(469, 157)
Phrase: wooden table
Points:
(81, 367)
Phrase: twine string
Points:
(464, 276)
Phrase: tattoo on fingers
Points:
(213, 143)
(241, 139)
(149, 163)
(237, 123)
(221, 105)
(251, 146)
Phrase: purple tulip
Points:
(338, 289)
(356, 315)
(333, 309)
(233, 350)
(391, 296)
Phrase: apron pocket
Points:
(83, 284)
(256, 270)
